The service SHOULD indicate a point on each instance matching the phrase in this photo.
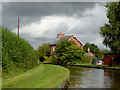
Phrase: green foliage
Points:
(67, 53)
(16, 53)
(94, 61)
(86, 46)
(47, 58)
(102, 53)
(111, 31)
(0, 45)
(86, 59)
(42, 59)
(44, 50)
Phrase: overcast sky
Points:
(40, 22)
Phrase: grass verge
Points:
(115, 67)
(0, 77)
(43, 76)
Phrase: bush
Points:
(94, 61)
(42, 59)
(16, 53)
(67, 53)
(86, 59)
(44, 50)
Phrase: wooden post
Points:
(18, 26)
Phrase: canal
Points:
(83, 77)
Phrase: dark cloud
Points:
(32, 11)
(82, 19)
(44, 8)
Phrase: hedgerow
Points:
(16, 53)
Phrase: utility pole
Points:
(18, 26)
(94, 52)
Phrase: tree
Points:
(67, 53)
(102, 53)
(111, 31)
(86, 46)
(44, 50)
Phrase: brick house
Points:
(61, 36)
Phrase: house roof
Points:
(61, 38)
(89, 54)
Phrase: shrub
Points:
(16, 53)
(86, 59)
(44, 49)
(42, 59)
(94, 61)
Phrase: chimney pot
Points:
(60, 35)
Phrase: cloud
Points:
(89, 26)
(30, 12)
(92, 19)
(59, 0)
(42, 22)
(48, 26)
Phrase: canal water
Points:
(83, 77)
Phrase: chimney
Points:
(60, 35)
(88, 50)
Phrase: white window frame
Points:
(53, 48)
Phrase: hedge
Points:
(16, 53)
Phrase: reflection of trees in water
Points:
(77, 71)
(86, 77)
(82, 77)
(75, 76)
(112, 77)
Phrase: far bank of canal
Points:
(84, 77)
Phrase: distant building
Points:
(99, 61)
(109, 58)
(90, 54)
(61, 37)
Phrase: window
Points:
(53, 48)
(107, 56)
(99, 61)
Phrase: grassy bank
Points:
(43, 76)
(0, 77)
(102, 66)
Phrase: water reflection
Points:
(82, 77)
(112, 78)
